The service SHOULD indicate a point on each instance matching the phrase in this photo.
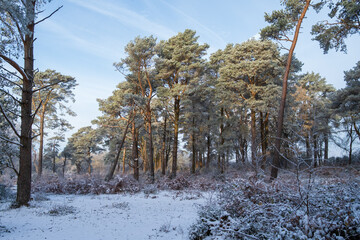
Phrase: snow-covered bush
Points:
(85, 185)
(6, 193)
(61, 210)
(258, 210)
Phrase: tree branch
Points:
(50, 85)
(8, 120)
(7, 93)
(48, 16)
(16, 66)
(10, 141)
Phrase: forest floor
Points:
(160, 215)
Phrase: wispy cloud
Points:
(206, 30)
(80, 41)
(127, 17)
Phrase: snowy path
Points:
(166, 215)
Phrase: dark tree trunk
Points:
(351, 144)
(253, 137)
(24, 178)
(89, 162)
(326, 145)
(64, 165)
(276, 159)
(135, 153)
(151, 149)
(193, 148)
(208, 156)
(110, 174)
(163, 149)
(176, 135)
(54, 165)
(221, 157)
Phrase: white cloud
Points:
(204, 29)
(126, 17)
(80, 42)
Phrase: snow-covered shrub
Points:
(257, 210)
(61, 210)
(6, 193)
(121, 205)
(179, 183)
(85, 185)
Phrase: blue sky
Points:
(86, 37)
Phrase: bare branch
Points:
(48, 16)
(35, 136)
(36, 111)
(18, 28)
(16, 66)
(12, 166)
(47, 86)
(8, 120)
(10, 141)
(10, 95)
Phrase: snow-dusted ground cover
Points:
(163, 215)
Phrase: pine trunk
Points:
(276, 160)
(135, 153)
(163, 159)
(24, 178)
(253, 138)
(41, 142)
(110, 174)
(176, 135)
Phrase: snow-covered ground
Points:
(164, 215)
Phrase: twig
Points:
(48, 16)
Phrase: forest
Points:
(244, 123)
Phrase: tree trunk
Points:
(315, 153)
(41, 141)
(208, 156)
(135, 154)
(110, 174)
(176, 135)
(276, 160)
(253, 138)
(89, 161)
(263, 140)
(151, 148)
(163, 160)
(351, 143)
(24, 178)
(222, 141)
(193, 159)
(123, 161)
(63, 166)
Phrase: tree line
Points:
(175, 98)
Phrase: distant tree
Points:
(84, 142)
(251, 72)
(312, 100)
(180, 60)
(17, 25)
(138, 66)
(67, 154)
(116, 121)
(345, 103)
(52, 150)
(53, 90)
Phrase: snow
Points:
(164, 215)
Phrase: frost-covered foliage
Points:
(258, 210)
(186, 181)
(85, 185)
